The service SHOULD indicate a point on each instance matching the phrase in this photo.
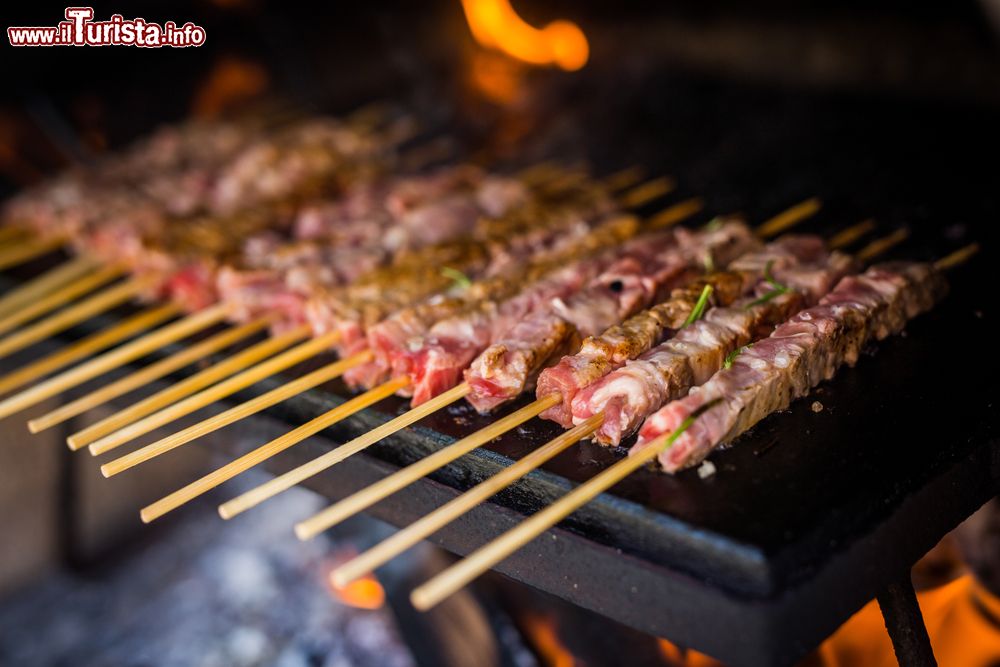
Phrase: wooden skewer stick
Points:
(258, 403)
(187, 386)
(117, 357)
(234, 414)
(444, 584)
(11, 233)
(846, 237)
(259, 455)
(386, 486)
(144, 376)
(44, 284)
(244, 463)
(288, 480)
(671, 215)
(27, 251)
(80, 349)
(102, 301)
(789, 217)
(879, 246)
(60, 297)
(626, 178)
(441, 517)
(538, 173)
(261, 371)
(647, 192)
(960, 256)
(455, 577)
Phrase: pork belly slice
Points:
(798, 355)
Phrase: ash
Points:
(205, 593)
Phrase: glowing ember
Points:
(495, 24)
(363, 593)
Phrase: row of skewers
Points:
(440, 284)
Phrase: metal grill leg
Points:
(906, 625)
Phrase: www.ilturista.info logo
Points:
(79, 29)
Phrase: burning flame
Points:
(495, 24)
(232, 81)
(675, 656)
(544, 636)
(363, 593)
(962, 618)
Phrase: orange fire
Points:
(363, 593)
(544, 637)
(962, 621)
(495, 24)
(962, 618)
(232, 81)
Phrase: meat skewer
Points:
(614, 229)
(90, 435)
(143, 377)
(859, 309)
(673, 264)
(812, 272)
(93, 234)
(612, 232)
(797, 356)
(403, 288)
(191, 324)
(627, 395)
(247, 461)
(117, 357)
(432, 522)
(255, 496)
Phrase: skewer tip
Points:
(339, 579)
(960, 256)
(303, 532)
(34, 426)
(107, 471)
(225, 513)
(421, 601)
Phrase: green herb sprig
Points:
(686, 424)
(731, 357)
(458, 278)
(714, 225)
(699, 307)
(777, 288)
